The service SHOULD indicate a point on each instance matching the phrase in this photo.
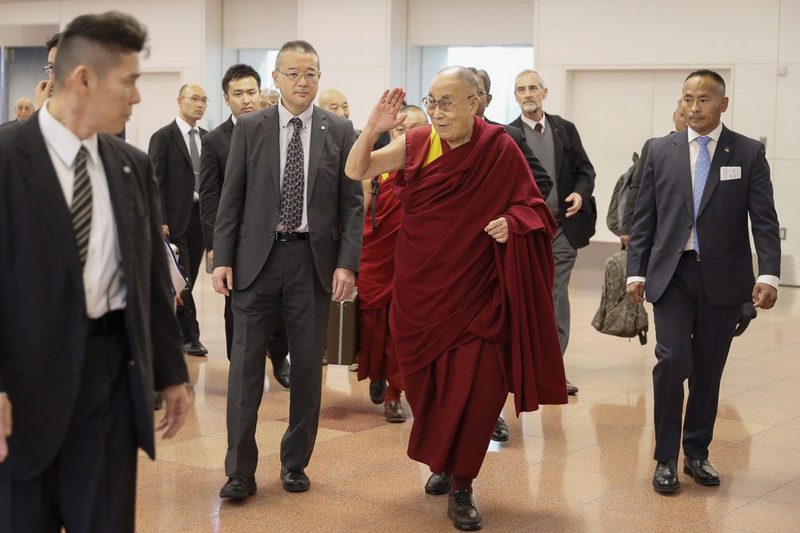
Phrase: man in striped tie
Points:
(690, 246)
(87, 330)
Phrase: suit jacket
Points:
(216, 145)
(173, 168)
(574, 173)
(43, 323)
(664, 216)
(248, 210)
(540, 175)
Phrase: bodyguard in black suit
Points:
(690, 245)
(556, 143)
(287, 240)
(241, 90)
(175, 151)
(87, 330)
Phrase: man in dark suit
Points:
(556, 143)
(82, 227)
(690, 245)
(286, 240)
(240, 88)
(540, 175)
(175, 151)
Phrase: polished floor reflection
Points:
(585, 466)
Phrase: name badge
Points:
(730, 173)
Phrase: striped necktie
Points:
(82, 205)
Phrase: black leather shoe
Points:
(461, 510)
(393, 411)
(572, 390)
(377, 391)
(281, 369)
(500, 433)
(665, 478)
(439, 484)
(237, 488)
(702, 471)
(195, 348)
(294, 480)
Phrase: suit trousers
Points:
(90, 485)
(278, 344)
(692, 342)
(565, 255)
(286, 291)
(190, 255)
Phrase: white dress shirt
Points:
(532, 123)
(286, 132)
(694, 151)
(102, 273)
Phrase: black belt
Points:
(111, 322)
(283, 236)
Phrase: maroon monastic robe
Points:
(376, 354)
(472, 319)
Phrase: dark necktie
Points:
(82, 205)
(291, 208)
(194, 154)
(701, 168)
(538, 128)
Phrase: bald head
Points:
(192, 103)
(462, 76)
(333, 101)
(415, 117)
(23, 108)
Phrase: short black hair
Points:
(483, 75)
(237, 72)
(706, 73)
(98, 41)
(52, 42)
(299, 46)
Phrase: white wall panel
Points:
(258, 24)
(469, 22)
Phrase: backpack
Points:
(616, 315)
(616, 208)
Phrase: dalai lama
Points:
(471, 314)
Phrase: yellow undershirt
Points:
(435, 149)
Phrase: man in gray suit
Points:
(287, 238)
(690, 245)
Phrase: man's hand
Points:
(177, 401)
(42, 93)
(764, 296)
(498, 229)
(343, 282)
(635, 292)
(5, 425)
(384, 116)
(165, 229)
(577, 202)
(625, 240)
(222, 279)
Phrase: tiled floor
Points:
(585, 466)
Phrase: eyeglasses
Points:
(310, 76)
(48, 69)
(444, 104)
